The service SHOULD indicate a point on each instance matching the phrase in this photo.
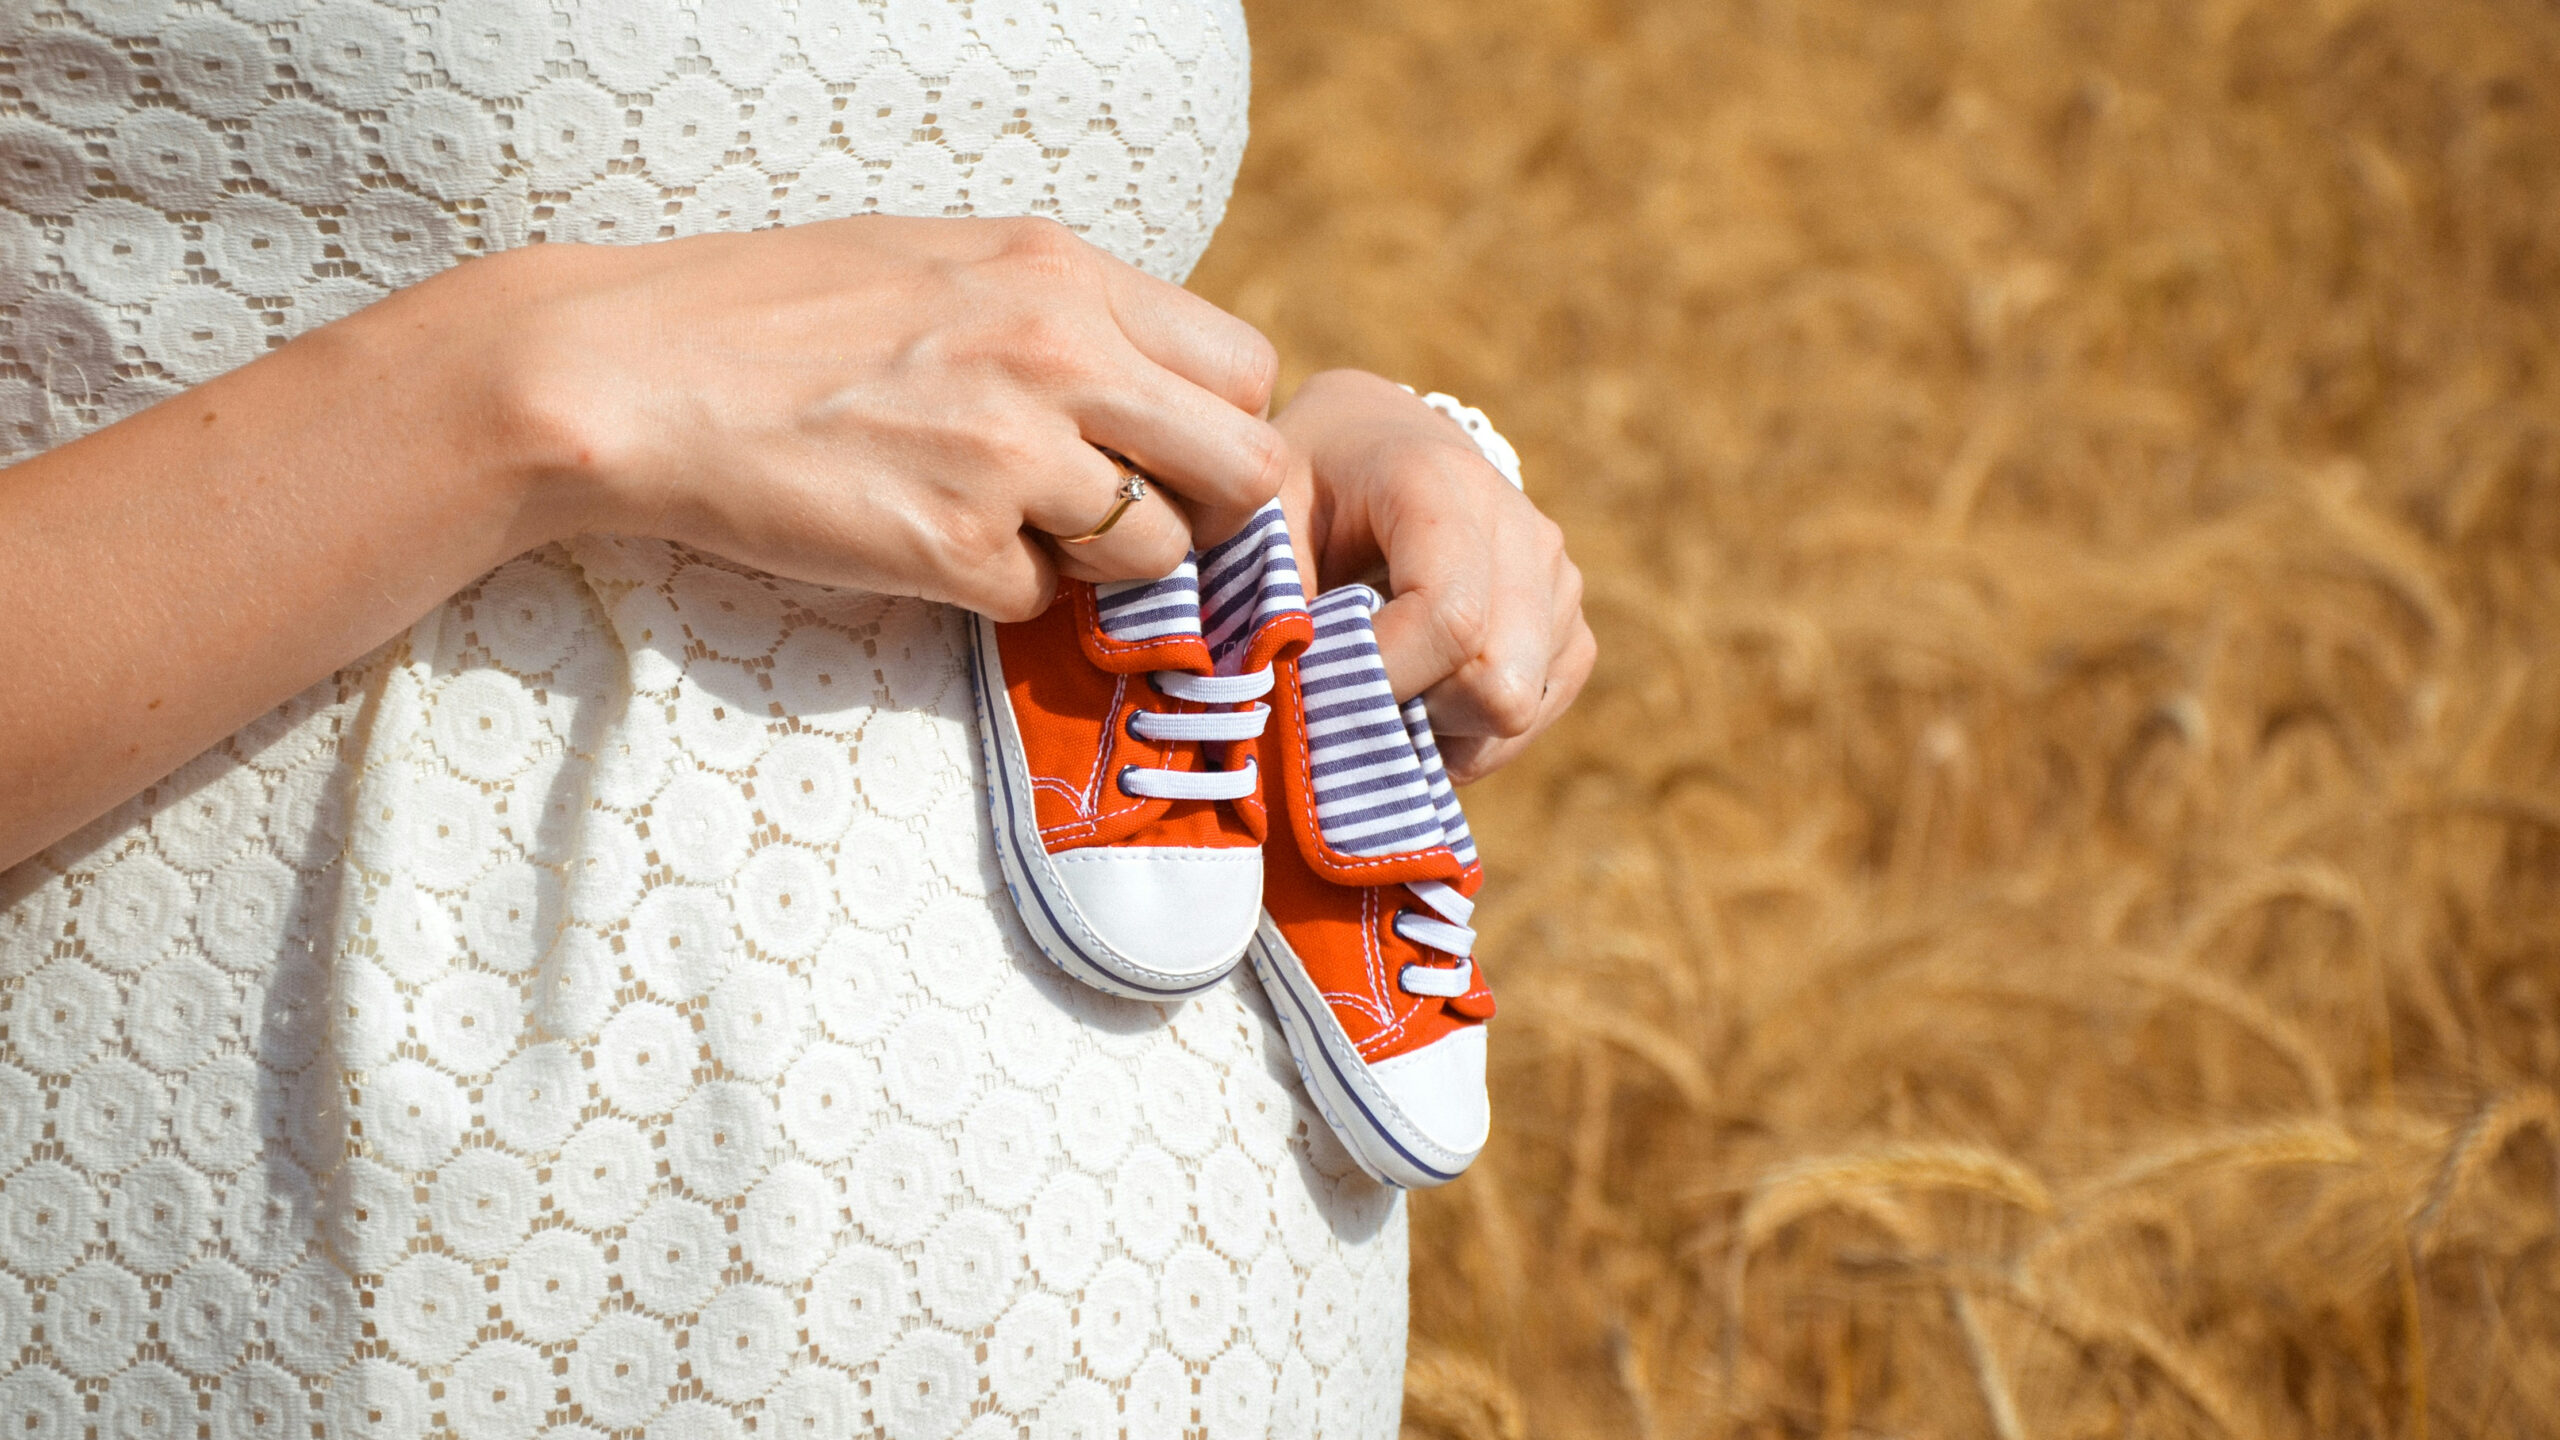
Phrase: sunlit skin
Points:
(908, 406)
(1486, 620)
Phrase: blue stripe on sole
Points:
(1006, 803)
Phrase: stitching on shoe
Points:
(1089, 618)
(1074, 930)
(1092, 793)
(1092, 814)
(1174, 854)
(1367, 1091)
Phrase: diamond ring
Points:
(1133, 488)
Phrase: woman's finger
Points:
(1486, 602)
(1146, 542)
(1078, 488)
(1456, 591)
(1472, 757)
(1433, 627)
(1503, 688)
(1193, 338)
(1225, 462)
(1015, 584)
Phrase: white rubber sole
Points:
(1057, 925)
(1381, 1137)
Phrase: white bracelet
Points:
(1488, 441)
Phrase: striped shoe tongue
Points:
(1134, 612)
(1246, 583)
(1444, 796)
(1222, 596)
(1380, 788)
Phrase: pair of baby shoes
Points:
(1191, 771)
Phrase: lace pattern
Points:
(597, 1013)
(188, 185)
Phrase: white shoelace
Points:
(1223, 725)
(1448, 935)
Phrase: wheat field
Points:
(2047, 921)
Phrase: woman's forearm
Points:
(169, 578)
(887, 403)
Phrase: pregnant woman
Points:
(499, 934)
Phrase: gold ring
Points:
(1133, 488)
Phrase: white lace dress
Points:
(598, 1012)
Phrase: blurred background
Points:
(2047, 922)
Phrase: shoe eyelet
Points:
(1130, 725)
(1121, 780)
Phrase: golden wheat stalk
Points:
(2108, 449)
(1460, 1397)
(2252, 1015)
(1997, 1402)
(1578, 1021)
(2093, 1326)
(1795, 1190)
(2479, 1143)
(2306, 1142)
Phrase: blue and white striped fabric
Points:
(1380, 788)
(1250, 579)
(1245, 583)
(1444, 796)
(1136, 611)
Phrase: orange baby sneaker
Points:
(1120, 732)
(1364, 946)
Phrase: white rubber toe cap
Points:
(1440, 1090)
(1168, 915)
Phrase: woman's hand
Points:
(896, 404)
(1484, 610)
